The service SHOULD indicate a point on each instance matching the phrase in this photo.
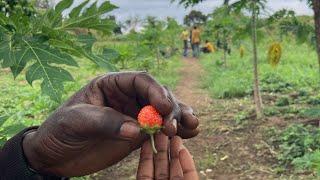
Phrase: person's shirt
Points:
(210, 47)
(195, 36)
(185, 35)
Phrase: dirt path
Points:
(224, 150)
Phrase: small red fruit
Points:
(150, 121)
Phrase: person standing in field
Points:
(185, 38)
(195, 42)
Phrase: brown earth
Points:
(225, 149)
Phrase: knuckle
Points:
(144, 177)
(177, 177)
(162, 176)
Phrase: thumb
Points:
(104, 122)
(120, 125)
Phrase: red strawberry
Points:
(151, 122)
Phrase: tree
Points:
(254, 7)
(316, 8)
(224, 24)
(151, 38)
(188, 3)
(43, 42)
(9, 7)
(194, 18)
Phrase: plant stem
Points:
(152, 144)
(257, 96)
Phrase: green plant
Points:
(283, 101)
(295, 142)
(44, 42)
(310, 161)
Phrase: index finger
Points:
(139, 86)
(156, 94)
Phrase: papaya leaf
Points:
(63, 5)
(52, 76)
(90, 18)
(77, 10)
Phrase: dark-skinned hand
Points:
(97, 126)
(172, 162)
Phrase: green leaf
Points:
(5, 54)
(3, 119)
(63, 5)
(20, 59)
(90, 18)
(76, 11)
(13, 129)
(53, 77)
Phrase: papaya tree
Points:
(151, 39)
(41, 43)
(254, 7)
(222, 25)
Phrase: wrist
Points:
(30, 152)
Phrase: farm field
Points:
(250, 73)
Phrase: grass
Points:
(298, 69)
(26, 106)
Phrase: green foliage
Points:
(9, 7)
(295, 142)
(195, 18)
(297, 71)
(283, 101)
(313, 112)
(44, 42)
(310, 161)
(188, 3)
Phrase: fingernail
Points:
(129, 130)
(174, 123)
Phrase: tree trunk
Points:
(316, 9)
(225, 57)
(225, 46)
(226, 2)
(256, 90)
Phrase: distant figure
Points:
(195, 42)
(208, 47)
(185, 38)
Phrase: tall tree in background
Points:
(254, 7)
(194, 18)
(316, 9)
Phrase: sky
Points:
(164, 8)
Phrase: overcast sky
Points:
(163, 8)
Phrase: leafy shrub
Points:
(270, 111)
(283, 101)
(295, 142)
(310, 161)
(313, 112)
(273, 82)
